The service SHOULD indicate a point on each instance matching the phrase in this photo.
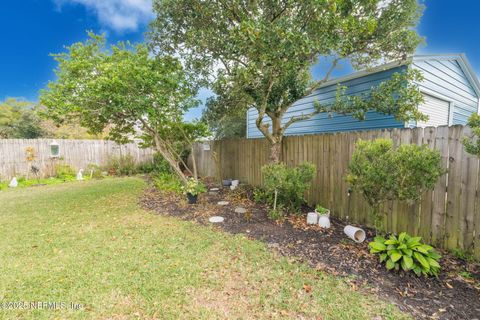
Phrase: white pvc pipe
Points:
(354, 233)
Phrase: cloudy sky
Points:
(32, 29)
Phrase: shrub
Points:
(382, 173)
(94, 171)
(123, 165)
(21, 179)
(408, 253)
(168, 182)
(64, 172)
(472, 143)
(276, 213)
(157, 165)
(289, 183)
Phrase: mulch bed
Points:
(450, 296)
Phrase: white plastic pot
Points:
(312, 218)
(324, 221)
(235, 182)
(354, 233)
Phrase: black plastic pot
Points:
(192, 199)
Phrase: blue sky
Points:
(32, 29)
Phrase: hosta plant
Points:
(194, 187)
(408, 253)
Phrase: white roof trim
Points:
(460, 58)
(472, 76)
(367, 72)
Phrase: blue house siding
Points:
(446, 78)
(322, 122)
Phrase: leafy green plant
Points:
(382, 173)
(260, 195)
(463, 255)
(276, 213)
(465, 274)
(472, 143)
(194, 187)
(168, 182)
(93, 170)
(21, 179)
(408, 253)
(290, 185)
(64, 172)
(321, 210)
(123, 165)
(157, 165)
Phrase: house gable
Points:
(449, 78)
(327, 94)
(446, 77)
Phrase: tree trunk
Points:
(194, 163)
(171, 159)
(275, 152)
(276, 139)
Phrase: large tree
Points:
(127, 90)
(19, 119)
(224, 116)
(261, 52)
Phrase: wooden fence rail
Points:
(77, 153)
(446, 217)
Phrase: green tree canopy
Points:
(125, 89)
(19, 119)
(260, 52)
(224, 117)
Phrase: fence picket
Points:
(77, 153)
(459, 226)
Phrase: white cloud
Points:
(119, 15)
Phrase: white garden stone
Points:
(240, 210)
(216, 219)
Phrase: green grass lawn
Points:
(89, 243)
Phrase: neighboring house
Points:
(450, 87)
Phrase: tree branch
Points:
(317, 84)
(302, 117)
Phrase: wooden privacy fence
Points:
(77, 153)
(446, 217)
